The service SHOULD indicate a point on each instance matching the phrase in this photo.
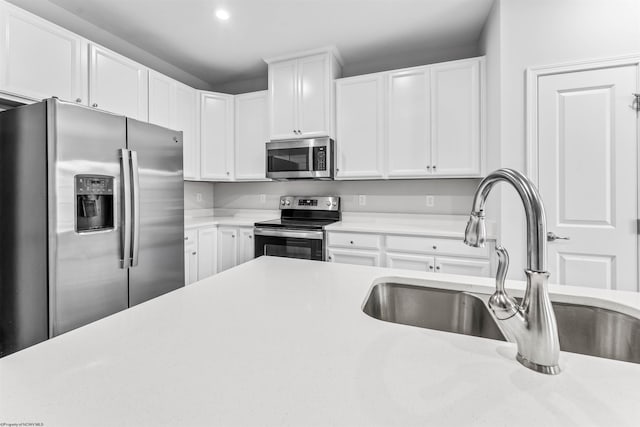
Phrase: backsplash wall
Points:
(450, 196)
(191, 191)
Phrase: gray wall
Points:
(451, 196)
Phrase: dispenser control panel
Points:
(94, 203)
(86, 184)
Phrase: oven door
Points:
(289, 243)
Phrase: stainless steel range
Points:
(299, 232)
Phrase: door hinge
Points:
(636, 102)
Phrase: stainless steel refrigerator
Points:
(91, 218)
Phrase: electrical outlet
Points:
(429, 201)
(198, 197)
(362, 200)
(263, 198)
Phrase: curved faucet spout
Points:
(475, 234)
(532, 324)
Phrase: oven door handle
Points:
(295, 234)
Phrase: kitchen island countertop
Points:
(282, 342)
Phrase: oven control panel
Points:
(323, 203)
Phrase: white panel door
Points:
(313, 96)
(410, 261)
(227, 248)
(38, 59)
(360, 127)
(207, 251)
(283, 95)
(252, 132)
(117, 84)
(216, 136)
(162, 93)
(463, 267)
(246, 247)
(408, 139)
(186, 120)
(349, 256)
(455, 118)
(588, 175)
(190, 257)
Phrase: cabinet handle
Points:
(251, 237)
(435, 247)
(78, 100)
(431, 267)
(434, 167)
(94, 105)
(329, 258)
(227, 173)
(233, 235)
(351, 242)
(193, 253)
(438, 268)
(186, 238)
(299, 131)
(428, 167)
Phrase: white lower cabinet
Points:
(207, 249)
(190, 256)
(418, 253)
(353, 256)
(235, 246)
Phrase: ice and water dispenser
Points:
(94, 203)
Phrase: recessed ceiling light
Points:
(222, 14)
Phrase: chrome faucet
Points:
(532, 323)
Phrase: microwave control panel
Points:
(319, 158)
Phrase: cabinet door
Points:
(455, 118)
(251, 135)
(186, 119)
(38, 59)
(162, 93)
(283, 99)
(117, 84)
(346, 256)
(247, 247)
(465, 267)
(227, 248)
(408, 145)
(216, 136)
(360, 127)
(190, 257)
(314, 86)
(207, 249)
(410, 261)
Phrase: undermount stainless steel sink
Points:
(583, 329)
(440, 309)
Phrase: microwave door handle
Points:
(125, 211)
(135, 247)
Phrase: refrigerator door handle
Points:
(125, 211)
(135, 248)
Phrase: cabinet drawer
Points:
(434, 245)
(354, 240)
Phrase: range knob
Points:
(288, 202)
(328, 203)
(282, 202)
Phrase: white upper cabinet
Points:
(251, 134)
(117, 84)
(216, 136)
(162, 99)
(409, 149)
(360, 127)
(456, 138)
(186, 120)
(435, 118)
(39, 59)
(301, 94)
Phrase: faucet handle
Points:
(502, 305)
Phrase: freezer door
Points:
(157, 249)
(86, 281)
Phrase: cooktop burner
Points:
(305, 212)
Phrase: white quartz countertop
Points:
(238, 218)
(283, 342)
(412, 224)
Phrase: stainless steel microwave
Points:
(311, 158)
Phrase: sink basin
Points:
(440, 309)
(583, 329)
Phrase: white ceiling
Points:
(186, 34)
